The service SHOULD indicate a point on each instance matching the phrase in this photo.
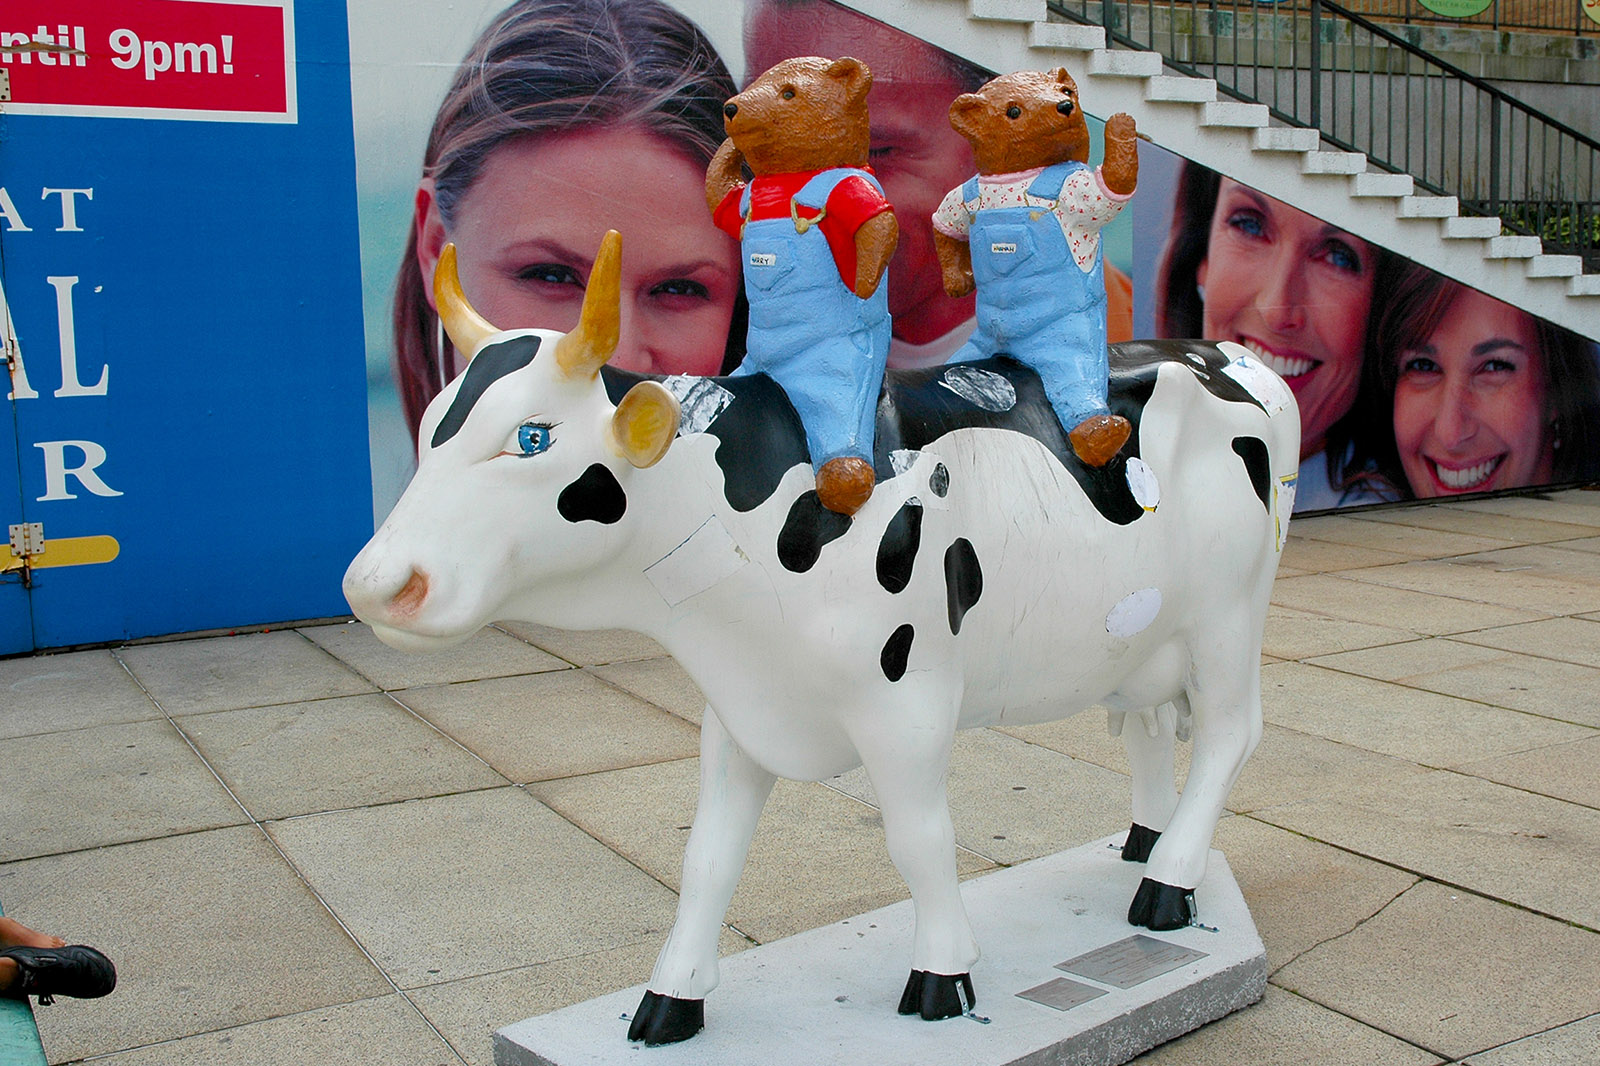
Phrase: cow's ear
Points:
(645, 422)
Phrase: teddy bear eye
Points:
(788, 93)
(1013, 111)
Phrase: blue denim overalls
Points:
(808, 330)
(1035, 303)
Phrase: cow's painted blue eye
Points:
(533, 437)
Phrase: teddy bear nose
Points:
(1065, 107)
(730, 110)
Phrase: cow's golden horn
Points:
(594, 340)
(468, 330)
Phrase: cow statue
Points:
(992, 579)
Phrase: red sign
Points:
(157, 59)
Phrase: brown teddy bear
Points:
(816, 234)
(1026, 233)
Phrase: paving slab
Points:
(489, 653)
(586, 648)
(818, 854)
(829, 996)
(107, 785)
(409, 881)
(1450, 519)
(1569, 772)
(660, 681)
(1343, 596)
(1558, 561)
(553, 725)
(382, 1030)
(1521, 589)
(1312, 556)
(1286, 1029)
(1489, 974)
(1572, 640)
(74, 690)
(1292, 634)
(1576, 1044)
(469, 1011)
(1562, 691)
(1406, 723)
(1568, 508)
(1012, 801)
(1512, 845)
(350, 751)
(1302, 892)
(248, 670)
(1360, 531)
(207, 930)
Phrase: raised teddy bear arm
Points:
(1121, 167)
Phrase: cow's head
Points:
(521, 471)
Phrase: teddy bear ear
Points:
(962, 111)
(1061, 76)
(853, 73)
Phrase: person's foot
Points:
(13, 934)
(844, 484)
(1099, 437)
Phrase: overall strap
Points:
(1047, 186)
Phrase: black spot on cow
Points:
(596, 496)
(939, 481)
(896, 650)
(963, 580)
(762, 438)
(1253, 450)
(897, 552)
(809, 527)
(486, 368)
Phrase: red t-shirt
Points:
(852, 202)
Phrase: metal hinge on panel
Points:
(5, 85)
(27, 539)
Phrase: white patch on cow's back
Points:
(709, 556)
(1143, 484)
(1134, 613)
(981, 388)
(1256, 378)
(701, 400)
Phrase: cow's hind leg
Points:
(1149, 737)
(1225, 694)
(909, 779)
(733, 790)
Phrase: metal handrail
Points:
(1316, 64)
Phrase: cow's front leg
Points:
(733, 790)
(909, 779)
(1149, 737)
(1227, 726)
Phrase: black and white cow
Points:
(991, 579)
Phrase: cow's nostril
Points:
(409, 599)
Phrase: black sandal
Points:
(78, 971)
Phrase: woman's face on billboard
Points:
(1471, 408)
(1295, 291)
(527, 230)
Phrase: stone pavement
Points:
(302, 847)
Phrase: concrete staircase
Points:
(1186, 116)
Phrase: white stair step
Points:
(1333, 163)
(1469, 227)
(1007, 10)
(1517, 247)
(1066, 36)
(1584, 285)
(1429, 207)
(1555, 266)
(1125, 63)
(1382, 185)
(1234, 115)
(1170, 88)
(1286, 139)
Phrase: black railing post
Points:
(1108, 18)
(1494, 155)
(1316, 64)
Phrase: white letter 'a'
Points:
(56, 470)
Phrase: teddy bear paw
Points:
(844, 484)
(1099, 437)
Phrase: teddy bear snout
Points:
(1065, 106)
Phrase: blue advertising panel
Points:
(181, 267)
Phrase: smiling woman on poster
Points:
(568, 118)
(1242, 266)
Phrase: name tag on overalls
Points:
(1003, 248)
(763, 259)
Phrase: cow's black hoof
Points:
(666, 1020)
(937, 995)
(1158, 906)
(1140, 840)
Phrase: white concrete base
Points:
(829, 996)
